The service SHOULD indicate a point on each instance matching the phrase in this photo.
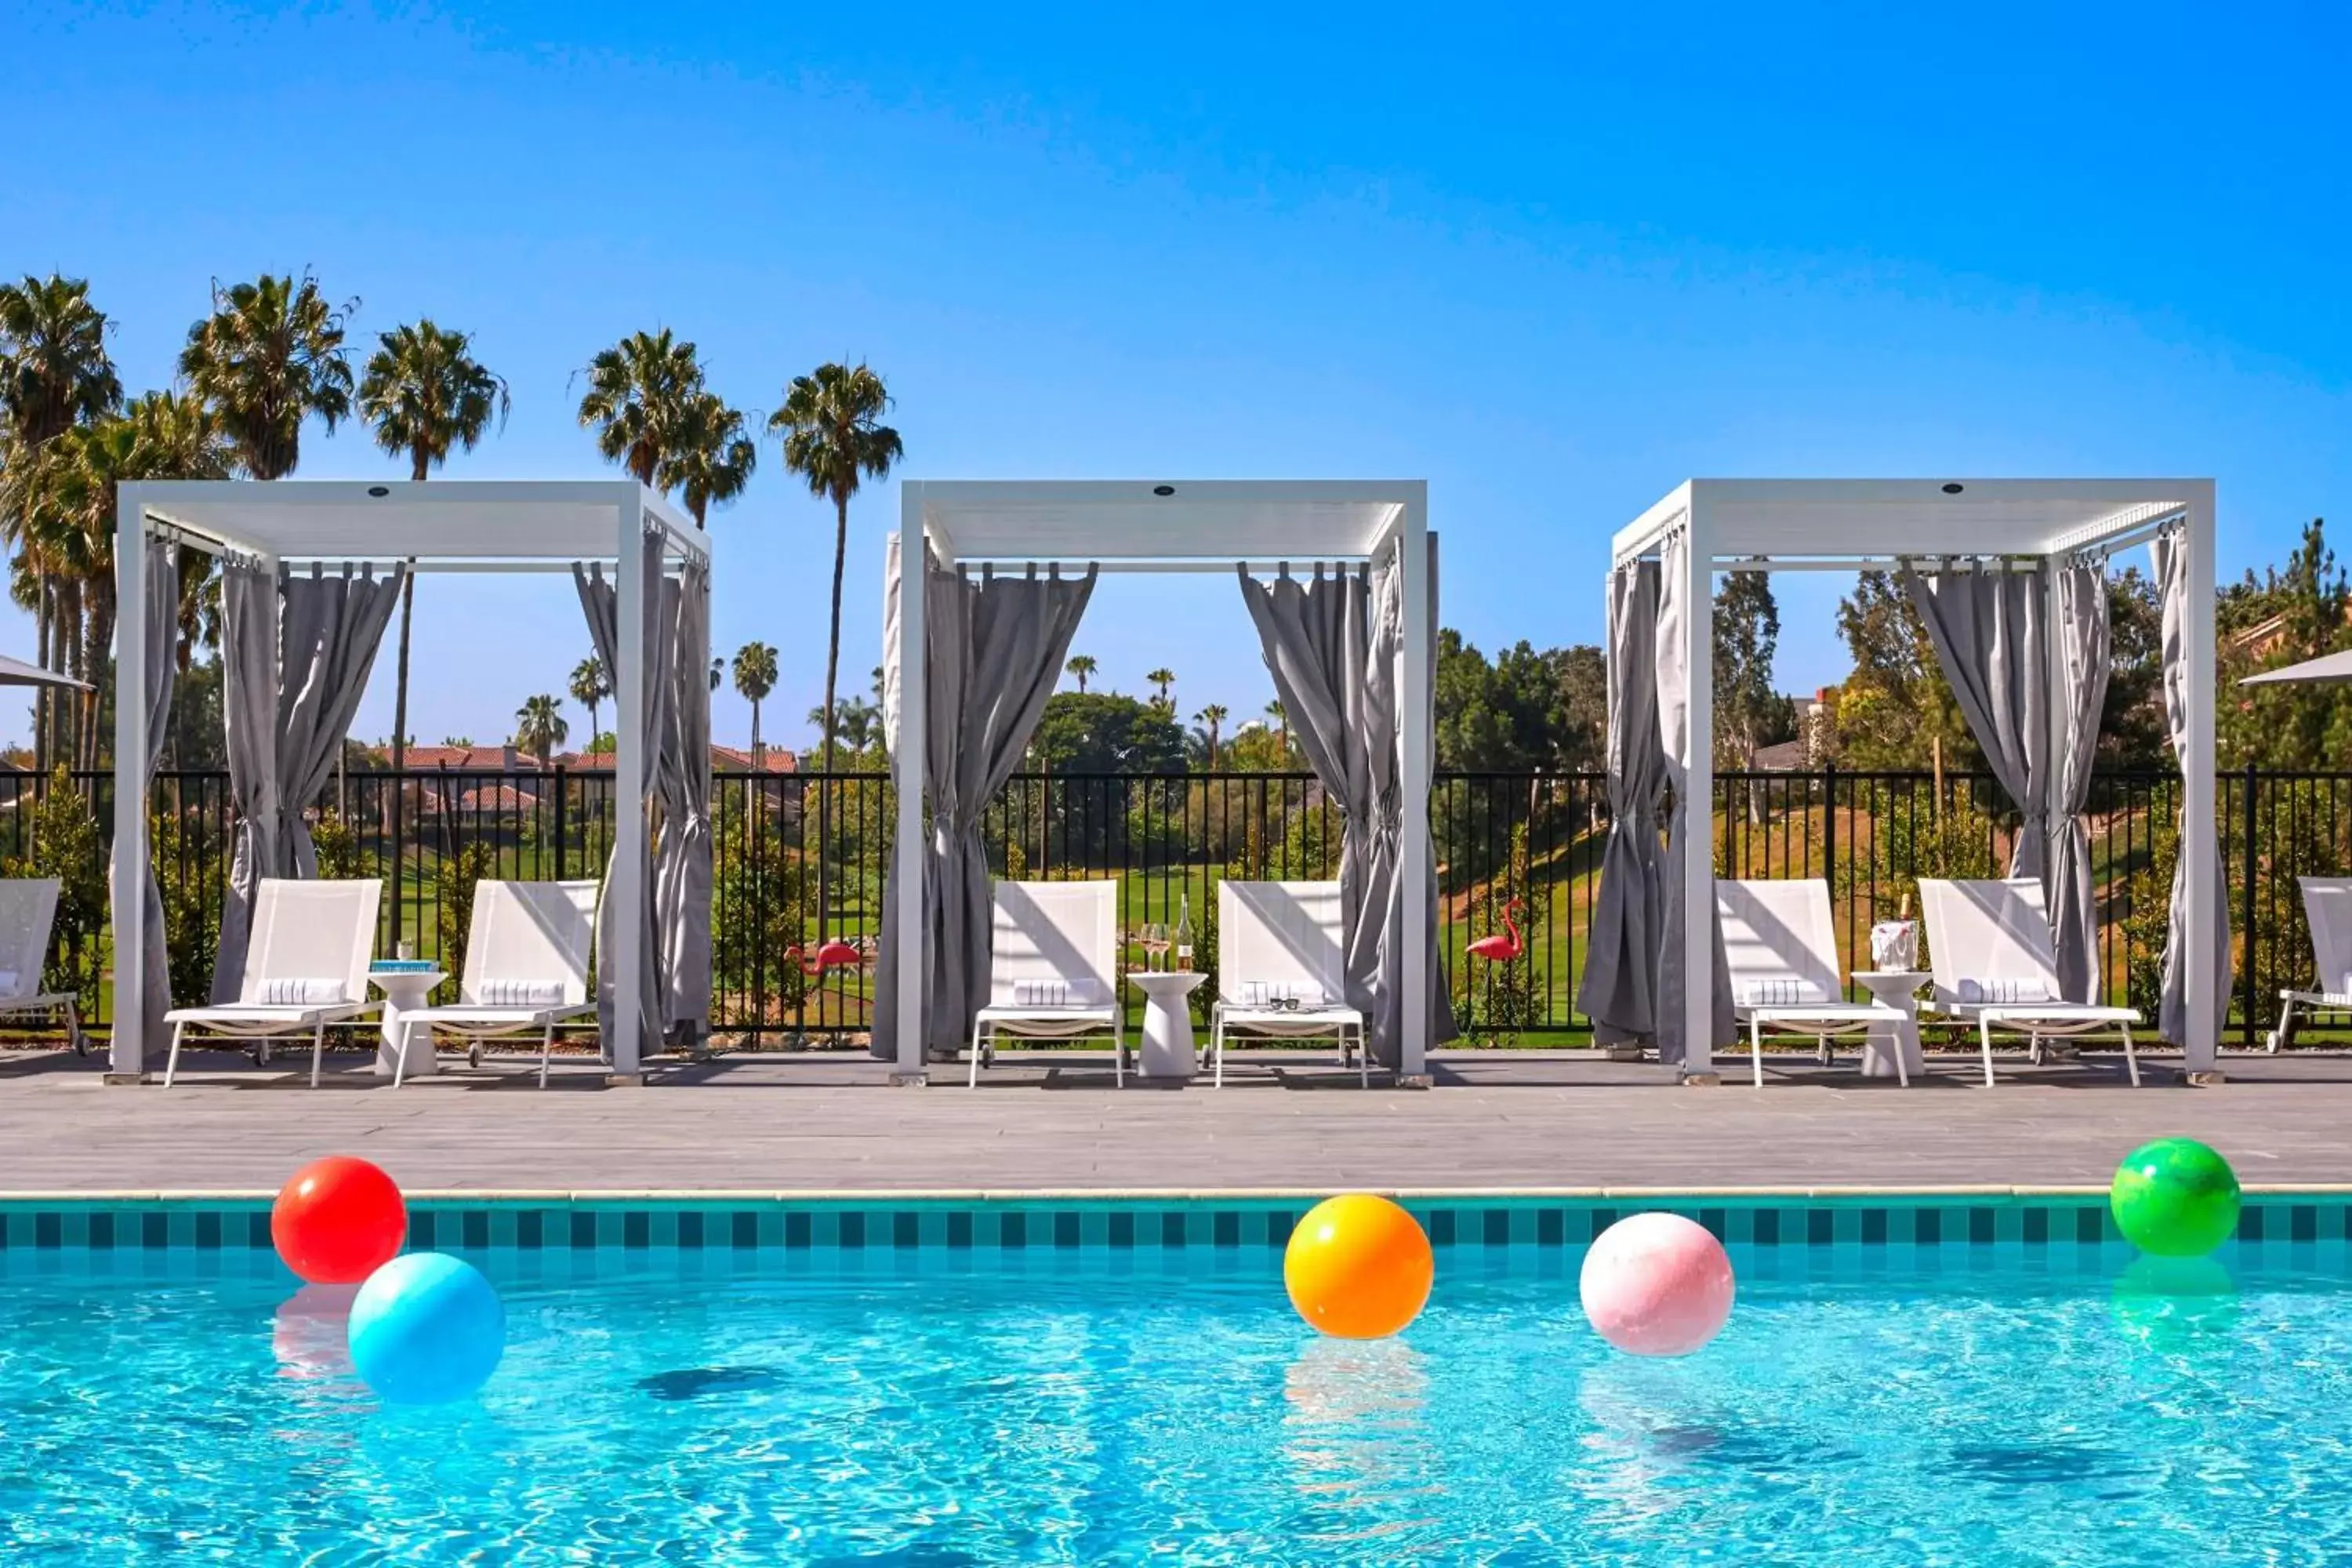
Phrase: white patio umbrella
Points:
(16, 672)
(2329, 667)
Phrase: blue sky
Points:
(1553, 260)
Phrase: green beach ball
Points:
(2175, 1198)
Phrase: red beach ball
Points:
(339, 1221)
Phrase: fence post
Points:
(1828, 824)
(563, 844)
(2246, 1003)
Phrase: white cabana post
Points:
(440, 526)
(1175, 526)
(1930, 528)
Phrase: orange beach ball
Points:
(1358, 1267)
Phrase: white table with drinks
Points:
(1167, 981)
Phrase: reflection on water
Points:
(1355, 1432)
(308, 1336)
(2177, 1306)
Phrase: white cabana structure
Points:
(311, 572)
(2008, 575)
(986, 607)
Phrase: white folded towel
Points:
(1786, 992)
(1082, 993)
(520, 993)
(2002, 993)
(291, 991)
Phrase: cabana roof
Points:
(468, 524)
(1132, 520)
(1874, 519)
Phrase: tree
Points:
(1081, 666)
(1893, 708)
(1163, 677)
(755, 676)
(713, 459)
(591, 684)
(1749, 713)
(269, 357)
(1281, 720)
(55, 373)
(540, 727)
(2133, 730)
(856, 723)
(423, 392)
(833, 437)
(2283, 616)
(1212, 719)
(1104, 733)
(642, 402)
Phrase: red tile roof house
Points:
(724, 759)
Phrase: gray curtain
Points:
(1673, 726)
(1317, 640)
(682, 874)
(2170, 549)
(600, 602)
(295, 654)
(1620, 991)
(2080, 644)
(161, 610)
(1384, 871)
(1987, 629)
(993, 653)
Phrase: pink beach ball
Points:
(1656, 1284)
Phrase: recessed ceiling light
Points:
(378, 490)
(1163, 489)
(1953, 490)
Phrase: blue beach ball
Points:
(426, 1329)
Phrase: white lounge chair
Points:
(1281, 971)
(28, 916)
(2328, 910)
(305, 967)
(526, 968)
(1780, 946)
(1053, 973)
(1989, 951)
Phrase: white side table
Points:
(1167, 1050)
(403, 990)
(1898, 989)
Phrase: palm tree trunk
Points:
(832, 641)
(45, 707)
(400, 692)
(755, 733)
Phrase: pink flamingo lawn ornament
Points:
(1504, 945)
(834, 954)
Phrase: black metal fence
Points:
(801, 859)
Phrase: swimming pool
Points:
(829, 1392)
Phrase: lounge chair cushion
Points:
(299, 992)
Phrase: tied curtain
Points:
(1620, 989)
(682, 863)
(2170, 549)
(1334, 646)
(1672, 693)
(295, 653)
(2081, 642)
(161, 608)
(993, 652)
(1987, 628)
(600, 602)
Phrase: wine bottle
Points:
(1185, 932)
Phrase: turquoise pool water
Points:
(1978, 1405)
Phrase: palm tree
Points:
(712, 460)
(755, 676)
(1211, 718)
(718, 672)
(268, 357)
(1281, 728)
(1081, 665)
(591, 684)
(425, 392)
(859, 722)
(834, 438)
(54, 374)
(641, 402)
(540, 727)
(1163, 677)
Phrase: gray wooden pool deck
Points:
(1499, 1121)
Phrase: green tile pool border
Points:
(548, 1222)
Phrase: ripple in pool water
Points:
(1090, 1415)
